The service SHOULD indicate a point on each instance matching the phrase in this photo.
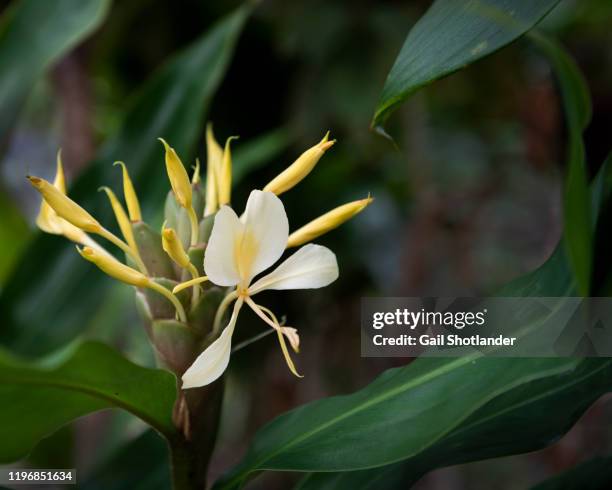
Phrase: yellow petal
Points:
(214, 160)
(327, 222)
(122, 219)
(299, 169)
(114, 268)
(174, 248)
(224, 179)
(129, 193)
(179, 180)
(64, 206)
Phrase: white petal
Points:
(220, 262)
(312, 266)
(211, 363)
(266, 230)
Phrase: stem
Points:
(177, 304)
(126, 248)
(195, 226)
(196, 415)
(196, 288)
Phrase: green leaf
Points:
(37, 398)
(33, 36)
(591, 475)
(524, 419)
(142, 464)
(400, 415)
(450, 36)
(578, 224)
(39, 309)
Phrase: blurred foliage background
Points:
(467, 198)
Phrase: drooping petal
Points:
(266, 230)
(312, 266)
(211, 363)
(220, 261)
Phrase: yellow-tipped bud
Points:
(114, 268)
(122, 219)
(174, 248)
(299, 169)
(129, 193)
(214, 159)
(327, 222)
(47, 220)
(179, 180)
(224, 179)
(64, 206)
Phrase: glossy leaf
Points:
(450, 36)
(34, 35)
(578, 224)
(40, 310)
(524, 419)
(37, 398)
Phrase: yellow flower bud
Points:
(122, 219)
(224, 179)
(214, 160)
(174, 248)
(64, 206)
(179, 180)
(47, 219)
(299, 169)
(327, 222)
(129, 193)
(114, 268)
(195, 178)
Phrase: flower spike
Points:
(327, 222)
(299, 169)
(129, 193)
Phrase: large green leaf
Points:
(37, 398)
(429, 414)
(521, 420)
(33, 35)
(451, 35)
(578, 224)
(594, 474)
(53, 292)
